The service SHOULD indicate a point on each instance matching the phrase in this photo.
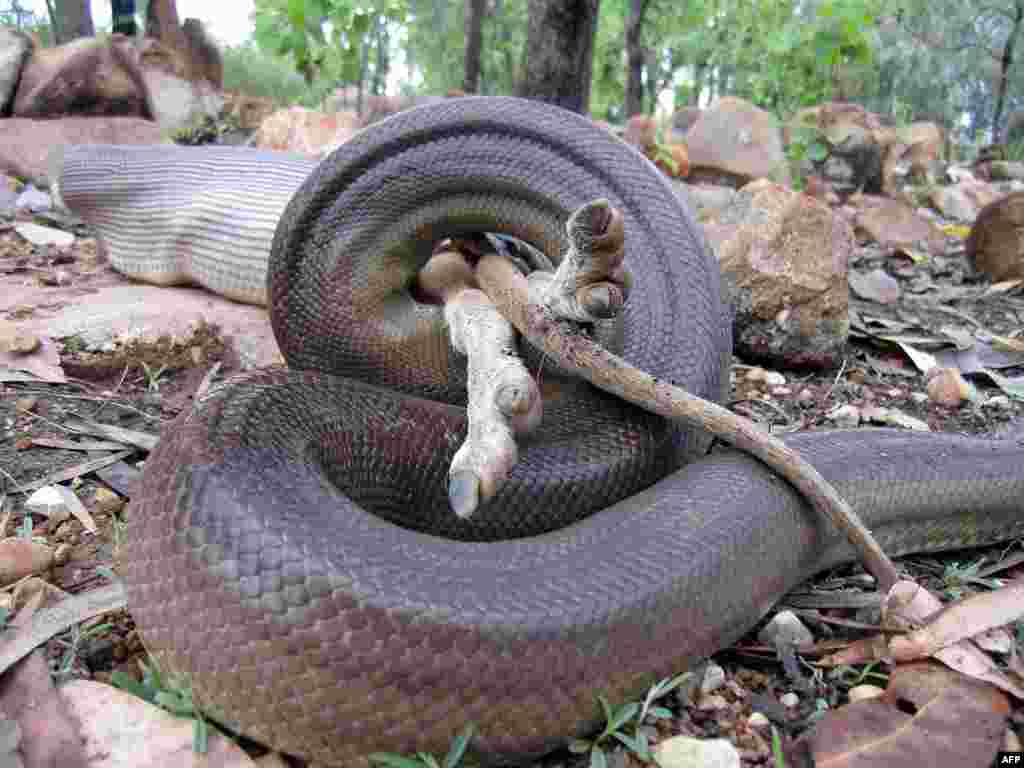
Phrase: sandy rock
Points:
(682, 120)
(964, 200)
(687, 752)
(25, 144)
(177, 103)
(735, 140)
(894, 224)
(249, 111)
(784, 261)
(119, 730)
(89, 76)
(307, 131)
(15, 47)
(996, 243)
(786, 628)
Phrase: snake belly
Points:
(291, 554)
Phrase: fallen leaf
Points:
(963, 619)
(929, 715)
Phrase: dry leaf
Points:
(929, 715)
(961, 620)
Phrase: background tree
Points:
(474, 41)
(635, 57)
(70, 19)
(558, 58)
(122, 16)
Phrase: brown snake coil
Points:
(292, 554)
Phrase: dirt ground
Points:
(141, 384)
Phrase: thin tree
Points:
(70, 19)
(559, 52)
(474, 43)
(122, 14)
(635, 57)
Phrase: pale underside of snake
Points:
(292, 553)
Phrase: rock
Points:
(926, 142)
(178, 103)
(895, 225)
(995, 245)
(964, 200)
(307, 131)
(25, 144)
(687, 752)
(248, 111)
(784, 261)
(845, 416)
(714, 678)
(856, 140)
(88, 76)
(785, 628)
(758, 720)
(41, 236)
(641, 131)
(789, 700)
(876, 285)
(705, 199)
(682, 120)
(854, 161)
(121, 730)
(738, 142)
(862, 692)
(15, 47)
(33, 200)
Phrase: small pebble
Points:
(785, 627)
(758, 720)
(845, 415)
(862, 692)
(714, 678)
(712, 702)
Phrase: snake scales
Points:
(265, 564)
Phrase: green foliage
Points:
(168, 694)
(617, 720)
(256, 73)
(71, 641)
(327, 39)
(1015, 151)
(425, 760)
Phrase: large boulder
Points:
(25, 144)
(896, 226)
(735, 141)
(784, 259)
(15, 47)
(996, 243)
(306, 131)
(88, 76)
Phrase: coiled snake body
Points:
(292, 554)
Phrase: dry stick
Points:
(605, 370)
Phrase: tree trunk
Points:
(1005, 63)
(559, 52)
(383, 63)
(70, 19)
(634, 58)
(122, 14)
(474, 42)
